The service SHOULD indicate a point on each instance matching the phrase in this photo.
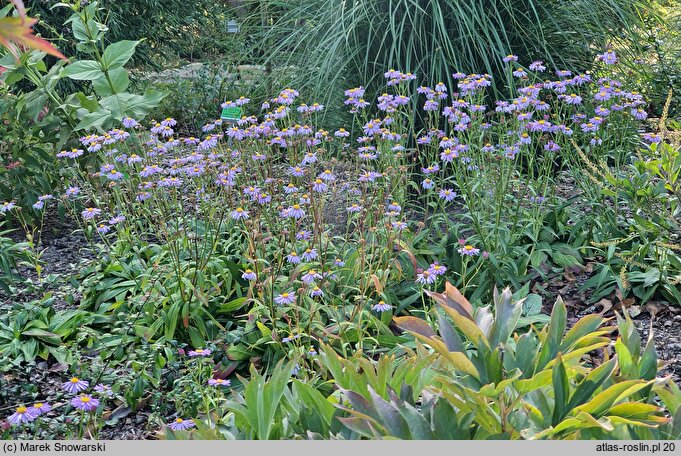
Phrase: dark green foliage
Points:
(173, 29)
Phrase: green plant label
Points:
(231, 113)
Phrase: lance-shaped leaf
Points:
(506, 315)
(422, 331)
(415, 325)
(603, 401)
(637, 414)
(561, 391)
(449, 335)
(555, 329)
(453, 299)
(591, 383)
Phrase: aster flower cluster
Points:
(81, 401)
(271, 178)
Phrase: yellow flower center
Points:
(85, 399)
(21, 409)
(75, 379)
(296, 206)
(284, 295)
(179, 420)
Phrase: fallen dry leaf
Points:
(634, 311)
(606, 304)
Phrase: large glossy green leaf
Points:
(601, 403)
(591, 383)
(118, 54)
(506, 315)
(117, 82)
(555, 330)
(83, 70)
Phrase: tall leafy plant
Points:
(341, 43)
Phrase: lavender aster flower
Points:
(437, 269)
(293, 258)
(116, 220)
(219, 382)
(239, 213)
(447, 194)
(609, 58)
(90, 213)
(309, 254)
(75, 385)
(40, 408)
(104, 390)
(381, 306)
(285, 298)
(303, 235)
(85, 402)
(311, 276)
(469, 250)
(199, 352)
(7, 206)
(296, 211)
(181, 425)
(537, 65)
(248, 275)
(21, 415)
(400, 226)
(129, 122)
(425, 278)
(319, 186)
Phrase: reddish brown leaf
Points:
(415, 325)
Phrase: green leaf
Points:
(602, 402)
(94, 119)
(140, 105)
(83, 70)
(506, 315)
(555, 334)
(532, 305)
(561, 390)
(118, 54)
(119, 82)
(90, 104)
(591, 383)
